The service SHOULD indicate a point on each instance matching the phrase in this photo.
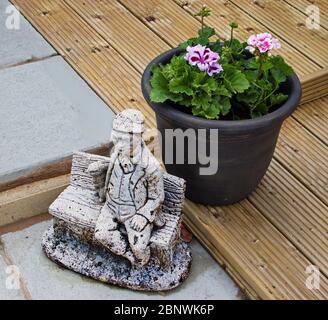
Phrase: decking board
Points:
(314, 117)
(265, 253)
(113, 21)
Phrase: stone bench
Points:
(77, 208)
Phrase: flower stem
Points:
(233, 25)
(202, 20)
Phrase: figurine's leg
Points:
(139, 243)
(107, 234)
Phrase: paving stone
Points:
(46, 280)
(46, 112)
(8, 291)
(19, 45)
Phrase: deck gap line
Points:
(310, 131)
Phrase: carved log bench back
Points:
(77, 208)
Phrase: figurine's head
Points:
(128, 127)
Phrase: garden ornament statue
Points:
(119, 219)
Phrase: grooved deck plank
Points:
(114, 22)
(305, 156)
(302, 5)
(164, 18)
(287, 204)
(314, 117)
(270, 265)
(260, 256)
(289, 24)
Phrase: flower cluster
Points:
(204, 58)
(264, 42)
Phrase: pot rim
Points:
(168, 111)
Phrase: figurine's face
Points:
(126, 142)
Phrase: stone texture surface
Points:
(46, 280)
(47, 112)
(17, 46)
(98, 263)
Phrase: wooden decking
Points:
(267, 241)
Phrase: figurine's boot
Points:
(142, 258)
(112, 240)
(139, 244)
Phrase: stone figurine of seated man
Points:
(132, 194)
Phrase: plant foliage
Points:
(248, 87)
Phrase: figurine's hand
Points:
(138, 222)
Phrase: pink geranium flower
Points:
(204, 58)
(263, 42)
(214, 68)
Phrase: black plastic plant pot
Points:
(245, 147)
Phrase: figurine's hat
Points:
(129, 121)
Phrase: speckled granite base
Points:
(101, 265)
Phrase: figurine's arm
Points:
(155, 196)
(100, 177)
(98, 168)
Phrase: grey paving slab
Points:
(45, 280)
(46, 112)
(9, 289)
(19, 45)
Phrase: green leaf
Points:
(267, 65)
(204, 12)
(252, 64)
(250, 97)
(160, 90)
(277, 99)
(251, 75)
(278, 75)
(233, 25)
(210, 85)
(235, 80)
(212, 112)
(207, 32)
(222, 91)
(224, 105)
(280, 70)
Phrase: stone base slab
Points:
(99, 264)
